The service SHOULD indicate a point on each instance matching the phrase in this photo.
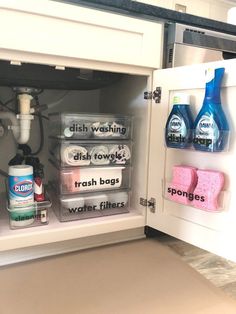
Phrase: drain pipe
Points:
(20, 123)
(24, 117)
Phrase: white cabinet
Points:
(62, 36)
(211, 231)
(71, 36)
(62, 30)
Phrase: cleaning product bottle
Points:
(211, 128)
(178, 131)
(20, 185)
(38, 174)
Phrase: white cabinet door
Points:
(63, 30)
(213, 231)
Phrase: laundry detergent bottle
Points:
(211, 129)
(179, 125)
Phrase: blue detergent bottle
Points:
(211, 129)
(179, 125)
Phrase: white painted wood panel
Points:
(211, 231)
(59, 29)
(56, 231)
(43, 36)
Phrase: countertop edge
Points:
(155, 13)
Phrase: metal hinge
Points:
(156, 95)
(151, 204)
(147, 95)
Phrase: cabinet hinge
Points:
(147, 95)
(151, 204)
(156, 95)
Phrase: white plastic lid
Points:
(20, 170)
(181, 99)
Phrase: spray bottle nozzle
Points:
(213, 83)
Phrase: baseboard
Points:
(35, 252)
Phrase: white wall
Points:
(213, 9)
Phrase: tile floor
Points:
(136, 277)
(221, 272)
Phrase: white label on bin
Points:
(90, 179)
(101, 206)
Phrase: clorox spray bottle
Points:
(211, 129)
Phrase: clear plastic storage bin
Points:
(90, 205)
(74, 153)
(90, 126)
(90, 179)
(32, 215)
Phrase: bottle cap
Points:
(209, 74)
(181, 99)
(20, 170)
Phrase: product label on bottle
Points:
(207, 130)
(177, 130)
(21, 189)
(177, 125)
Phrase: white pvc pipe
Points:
(24, 117)
(24, 103)
(25, 121)
(20, 125)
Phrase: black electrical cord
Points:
(44, 117)
(40, 119)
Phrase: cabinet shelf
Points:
(56, 231)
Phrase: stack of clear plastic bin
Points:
(91, 158)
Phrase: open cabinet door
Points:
(212, 230)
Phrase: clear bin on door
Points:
(72, 153)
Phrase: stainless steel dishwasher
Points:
(187, 45)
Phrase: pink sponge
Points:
(184, 180)
(210, 183)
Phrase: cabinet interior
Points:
(123, 94)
